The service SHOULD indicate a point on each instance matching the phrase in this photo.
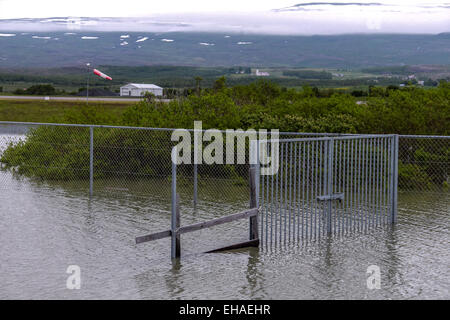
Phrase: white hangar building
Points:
(139, 89)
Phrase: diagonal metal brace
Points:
(334, 196)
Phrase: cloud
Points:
(310, 4)
(307, 18)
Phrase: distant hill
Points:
(59, 49)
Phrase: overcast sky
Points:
(254, 16)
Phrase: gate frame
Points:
(329, 149)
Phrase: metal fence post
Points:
(257, 171)
(254, 187)
(253, 234)
(391, 178)
(91, 161)
(330, 181)
(175, 218)
(395, 180)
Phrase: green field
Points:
(55, 111)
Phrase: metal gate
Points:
(327, 186)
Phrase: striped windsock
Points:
(101, 74)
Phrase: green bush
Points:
(62, 153)
(411, 176)
(53, 153)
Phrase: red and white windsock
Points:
(101, 74)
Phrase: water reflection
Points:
(392, 256)
(174, 279)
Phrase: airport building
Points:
(139, 90)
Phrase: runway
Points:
(53, 98)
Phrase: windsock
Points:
(101, 74)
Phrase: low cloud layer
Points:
(306, 18)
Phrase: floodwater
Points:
(46, 227)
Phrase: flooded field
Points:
(46, 227)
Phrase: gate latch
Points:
(334, 196)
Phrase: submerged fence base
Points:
(176, 231)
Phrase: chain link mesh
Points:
(40, 154)
(424, 163)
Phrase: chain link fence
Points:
(424, 163)
(136, 162)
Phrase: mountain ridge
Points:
(75, 48)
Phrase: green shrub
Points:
(411, 176)
(53, 153)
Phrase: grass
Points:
(52, 111)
